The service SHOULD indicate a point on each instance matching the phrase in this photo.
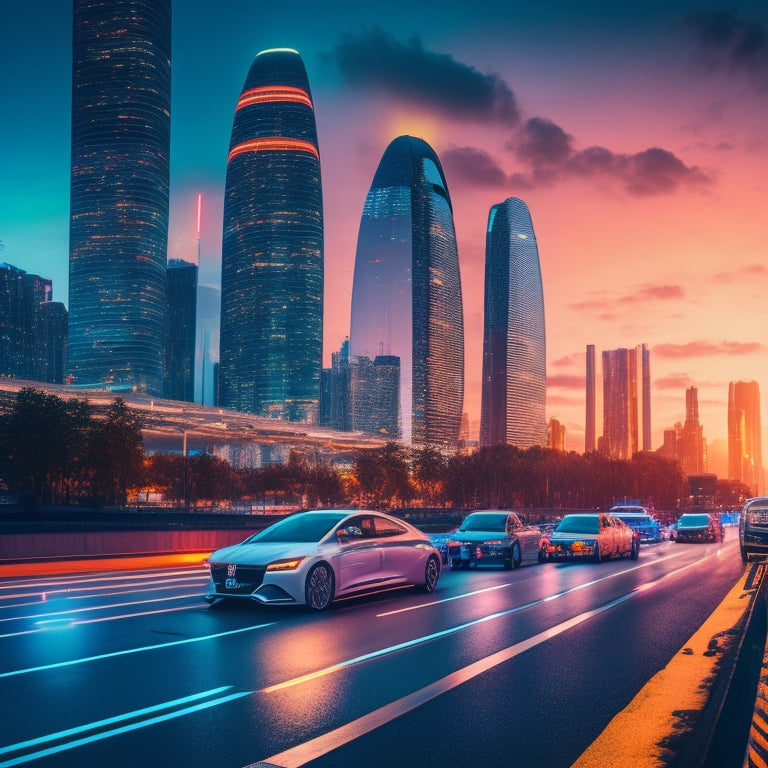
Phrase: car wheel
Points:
(596, 556)
(318, 590)
(431, 574)
(543, 556)
(517, 557)
(744, 555)
(634, 550)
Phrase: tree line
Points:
(57, 451)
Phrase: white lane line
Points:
(511, 584)
(297, 756)
(317, 747)
(124, 729)
(452, 630)
(114, 654)
(111, 720)
(155, 575)
(103, 607)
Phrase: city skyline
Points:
(644, 176)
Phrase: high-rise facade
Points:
(406, 294)
(272, 249)
(745, 455)
(374, 394)
(33, 328)
(645, 395)
(590, 442)
(181, 310)
(514, 385)
(118, 236)
(620, 403)
(692, 447)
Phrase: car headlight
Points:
(289, 564)
(452, 543)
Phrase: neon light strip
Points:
(124, 729)
(272, 93)
(274, 145)
(113, 720)
(114, 654)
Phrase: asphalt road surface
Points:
(496, 668)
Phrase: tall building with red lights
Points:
(272, 248)
(745, 455)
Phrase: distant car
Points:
(311, 558)
(492, 537)
(640, 520)
(699, 526)
(753, 527)
(594, 536)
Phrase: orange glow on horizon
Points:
(274, 145)
(272, 93)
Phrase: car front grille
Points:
(246, 578)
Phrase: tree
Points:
(117, 454)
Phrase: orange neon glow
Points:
(274, 145)
(273, 93)
(199, 211)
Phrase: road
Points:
(496, 668)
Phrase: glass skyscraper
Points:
(514, 387)
(180, 335)
(406, 294)
(118, 236)
(272, 250)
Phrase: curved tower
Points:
(406, 295)
(118, 235)
(514, 389)
(272, 249)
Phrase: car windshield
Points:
(693, 521)
(303, 527)
(635, 519)
(579, 524)
(484, 522)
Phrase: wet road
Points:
(495, 668)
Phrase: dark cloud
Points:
(473, 166)
(748, 271)
(727, 43)
(610, 305)
(377, 59)
(676, 381)
(707, 349)
(549, 152)
(565, 381)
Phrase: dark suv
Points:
(753, 527)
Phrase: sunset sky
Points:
(638, 137)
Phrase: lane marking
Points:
(111, 720)
(124, 729)
(37, 584)
(452, 630)
(321, 745)
(644, 564)
(92, 608)
(114, 654)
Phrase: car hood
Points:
(477, 536)
(261, 553)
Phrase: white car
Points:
(311, 558)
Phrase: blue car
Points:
(640, 520)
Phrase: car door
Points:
(607, 537)
(397, 549)
(359, 561)
(526, 535)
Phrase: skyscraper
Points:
(590, 426)
(118, 236)
(745, 455)
(514, 390)
(619, 439)
(406, 294)
(180, 334)
(692, 446)
(272, 249)
(645, 395)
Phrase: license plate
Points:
(231, 584)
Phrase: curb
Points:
(673, 719)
